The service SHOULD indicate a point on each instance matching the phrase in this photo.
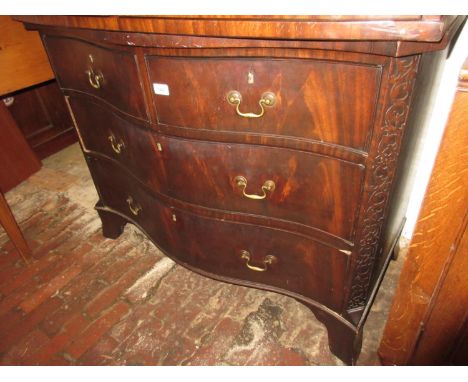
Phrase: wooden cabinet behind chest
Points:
(266, 163)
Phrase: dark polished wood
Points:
(319, 192)
(18, 160)
(219, 243)
(42, 115)
(389, 27)
(103, 132)
(306, 106)
(120, 84)
(166, 146)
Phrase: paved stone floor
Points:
(87, 300)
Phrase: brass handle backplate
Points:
(267, 99)
(116, 146)
(268, 260)
(268, 186)
(135, 208)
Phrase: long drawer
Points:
(324, 101)
(316, 191)
(243, 252)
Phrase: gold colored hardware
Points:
(268, 186)
(345, 251)
(117, 147)
(135, 208)
(158, 145)
(268, 260)
(267, 99)
(174, 217)
(95, 79)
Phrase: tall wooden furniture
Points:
(18, 49)
(34, 122)
(23, 63)
(18, 162)
(428, 323)
(262, 151)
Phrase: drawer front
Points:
(104, 132)
(244, 252)
(317, 191)
(120, 192)
(324, 101)
(111, 75)
(262, 255)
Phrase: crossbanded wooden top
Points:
(376, 28)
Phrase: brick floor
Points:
(87, 300)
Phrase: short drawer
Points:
(313, 190)
(261, 256)
(109, 74)
(325, 101)
(103, 132)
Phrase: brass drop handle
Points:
(95, 79)
(116, 146)
(268, 260)
(268, 186)
(135, 208)
(267, 99)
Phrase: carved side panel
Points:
(385, 151)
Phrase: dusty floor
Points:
(87, 300)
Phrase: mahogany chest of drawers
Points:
(266, 152)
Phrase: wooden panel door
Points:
(17, 160)
(42, 115)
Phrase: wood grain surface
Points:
(23, 60)
(120, 84)
(42, 115)
(307, 104)
(413, 28)
(331, 144)
(431, 302)
(17, 159)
